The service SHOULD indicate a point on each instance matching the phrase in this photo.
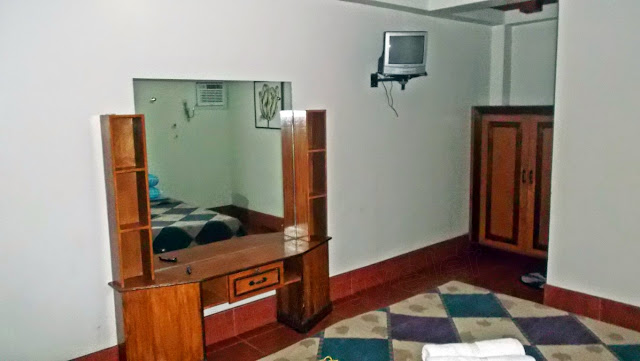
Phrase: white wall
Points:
(523, 63)
(533, 63)
(256, 165)
(394, 184)
(192, 160)
(595, 203)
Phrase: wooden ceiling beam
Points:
(527, 7)
(530, 7)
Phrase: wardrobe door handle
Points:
(531, 177)
(524, 176)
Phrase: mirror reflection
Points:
(214, 158)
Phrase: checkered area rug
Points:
(457, 312)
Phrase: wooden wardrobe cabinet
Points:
(511, 178)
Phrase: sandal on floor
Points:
(534, 279)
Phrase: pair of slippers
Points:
(534, 279)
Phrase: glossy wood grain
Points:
(302, 176)
(303, 304)
(511, 178)
(501, 190)
(125, 168)
(222, 259)
(164, 324)
(288, 176)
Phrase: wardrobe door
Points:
(540, 182)
(503, 181)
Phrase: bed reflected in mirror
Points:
(214, 158)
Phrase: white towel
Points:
(496, 358)
(489, 348)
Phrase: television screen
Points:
(406, 49)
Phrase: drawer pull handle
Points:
(263, 280)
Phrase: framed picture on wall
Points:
(270, 97)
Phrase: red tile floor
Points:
(492, 269)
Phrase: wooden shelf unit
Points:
(151, 294)
(126, 176)
(214, 292)
(310, 164)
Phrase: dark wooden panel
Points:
(542, 202)
(503, 167)
(164, 324)
(318, 171)
(302, 305)
(318, 210)
(474, 188)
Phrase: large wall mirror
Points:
(214, 152)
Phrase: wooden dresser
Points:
(160, 298)
(511, 152)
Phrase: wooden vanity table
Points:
(160, 303)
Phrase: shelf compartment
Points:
(129, 169)
(132, 200)
(316, 129)
(317, 173)
(128, 142)
(290, 277)
(318, 216)
(317, 195)
(135, 256)
(214, 292)
(129, 227)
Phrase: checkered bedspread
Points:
(457, 312)
(189, 218)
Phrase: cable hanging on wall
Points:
(389, 96)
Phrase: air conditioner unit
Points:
(211, 94)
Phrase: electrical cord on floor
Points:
(389, 96)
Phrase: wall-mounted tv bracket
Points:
(402, 79)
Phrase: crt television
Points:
(404, 53)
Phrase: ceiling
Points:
(485, 12)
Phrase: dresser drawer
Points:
(255, 281)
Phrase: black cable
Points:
(389, 96)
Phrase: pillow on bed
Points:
(214, 231)
(171, 239)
